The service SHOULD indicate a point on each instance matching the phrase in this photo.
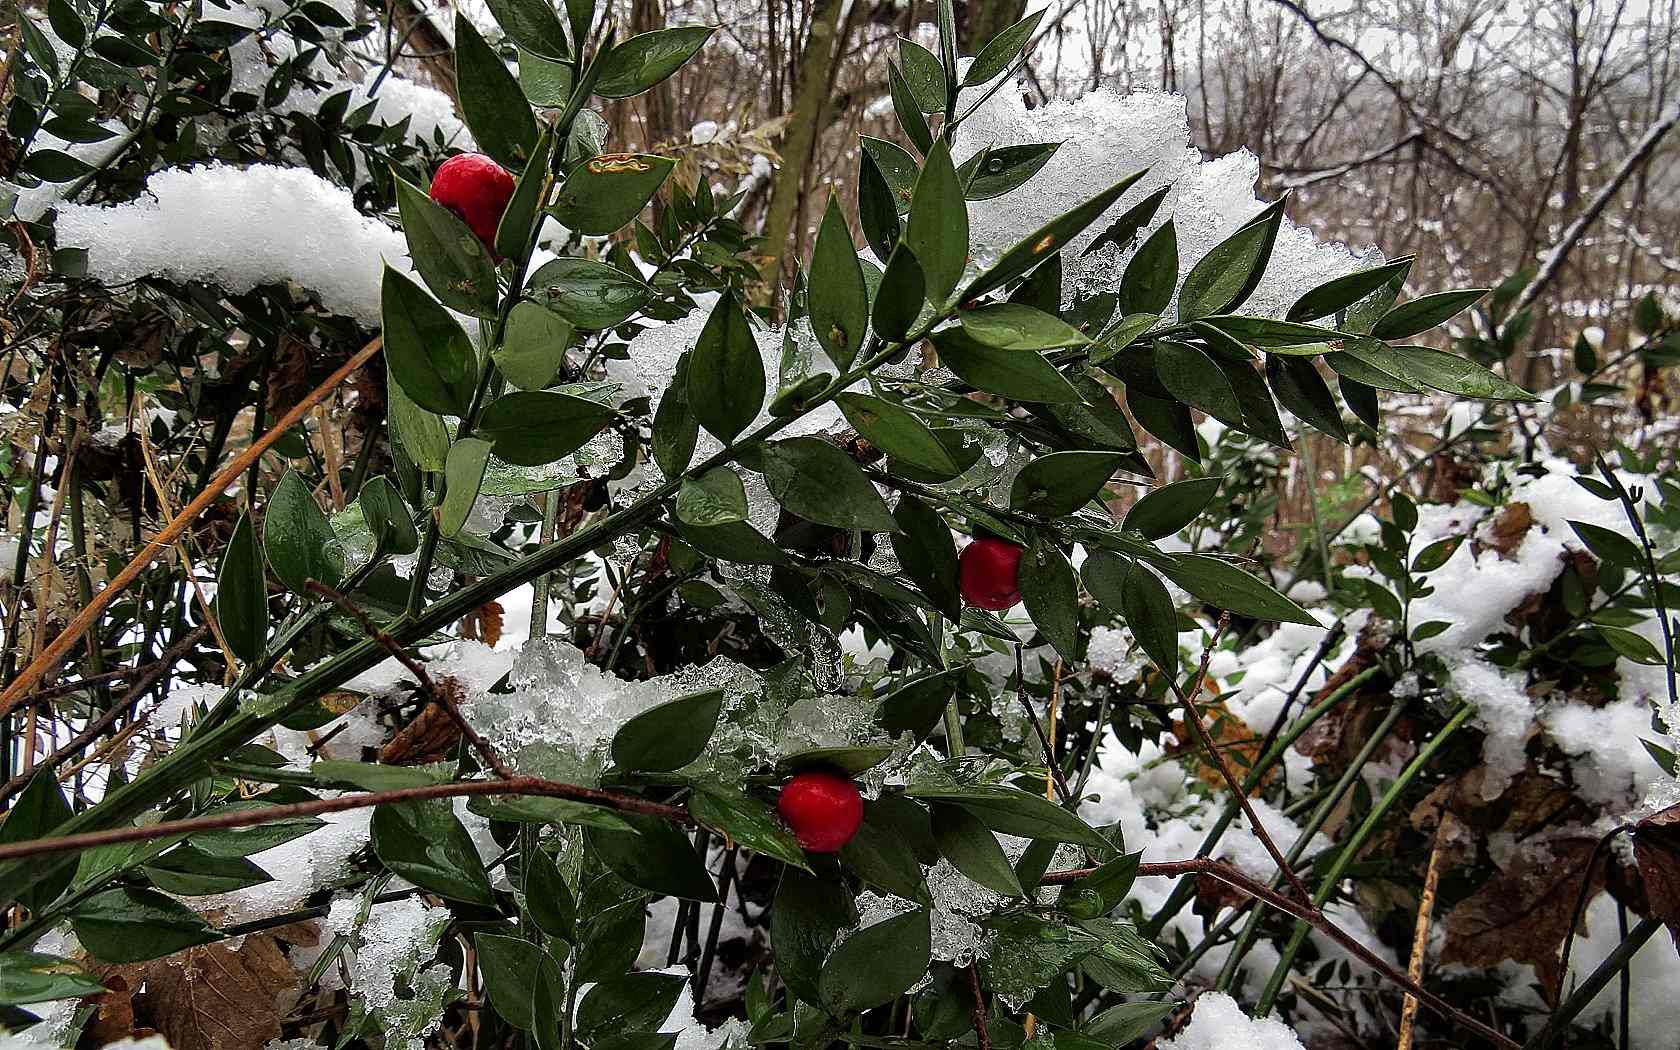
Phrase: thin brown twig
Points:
(980, 1032)
(1303, 910)
(148, 675)
(437, 696)
(251, 817)
(1187, 697)
(1420, 934)
(85, 619)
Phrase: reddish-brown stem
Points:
(1193, 713)
(437, 696)
(251, 817)
(980, 1032)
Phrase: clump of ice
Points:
(391, 987)
(1218, 1023)
(1115, 652)
(563, 705)
(1105, 136)
(239, 228)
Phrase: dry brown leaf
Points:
(430, 737)
(1525, 912)
(1656, 850)
(1506, 531)
(215, 997)
(484, 623)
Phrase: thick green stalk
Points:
(1356, 842)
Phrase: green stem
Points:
(1617, 961)
(1356, 842)
(1344, 784)
(1185, 890)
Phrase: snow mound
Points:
(1220, 1024)
(239, 228)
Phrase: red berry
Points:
(822, 809)
(988, 574)
(477, 189)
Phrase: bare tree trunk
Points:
(810, 93)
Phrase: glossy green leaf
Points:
(806, 916)
(241, 603)
(1193, 378)
(299, 542)
(463, 472)
(725, 372)
(492, 103)
(36, 813)
(1051, 595)
(1299, 387)
(897, 168)
(519, 218)
(1122, 231)
(533, 347)
(897, 431)
(31, 977)
(603, 194)
(548, 899)
(1422, 314)
(132, 925)
(642, 61)
(669, 736)
(634, 1002)
(877, 209)
(387, 517)
(1012, 326)
(747, 821)
(1228, 274)
(656, 856)
(924, 75)
(1046, 241)
(675, 429)
(589, 294)
(1163, 511)
(1012, 811)
(426, 844)
(1337, 294)
(917, 706)
(838, 303)
(999, 170)
(1001, 50)
(1224, 586)
(900, 300)
(512, 967)
(544, 81)
(428, 354)
(534, 428)
(876, 964)
(973, 849)
(937, 232)
(1023, 375)
(1457, 375)
(907, 109)
(1062, 482)
(716, 497)
(189, 872)
(532, 24)
(818, 482)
